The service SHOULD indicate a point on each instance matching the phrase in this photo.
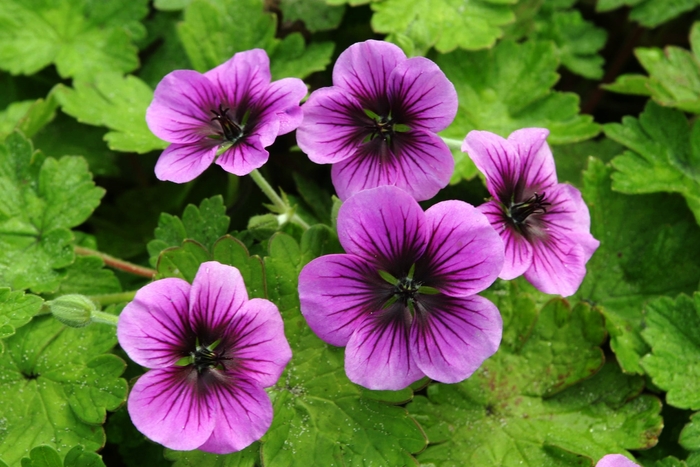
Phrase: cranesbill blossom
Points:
(210, 351)
(402, 298)
(615, 460)
(545, 225)
(377, 123)
(233, 112)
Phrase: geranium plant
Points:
(325, 233)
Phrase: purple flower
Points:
(232, 112)
(402, 298)
(545, 225)
(211, 352)
(377, 123)
(615, 460)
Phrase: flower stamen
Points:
(204, 358)
(536, 204)
(230, 130)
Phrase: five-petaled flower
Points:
(377, 123)
(615, 460)
(233, 112)
(210, 351)
(402, 298)
(545, 225)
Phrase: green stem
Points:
(286, 211)
(117, 263)
(269, 191)
(113, 298)
(102, 317)
(453, 143)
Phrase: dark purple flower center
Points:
(208, 357)
(230, 130)
(536, 204)
(406, 291)
(383, 127)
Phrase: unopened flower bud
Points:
(73, 310)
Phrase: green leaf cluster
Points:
(674, 75)
(650, 13)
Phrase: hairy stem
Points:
(117, 263)
(113, 298)
(453, 143)
(282, 206)
(102, 317)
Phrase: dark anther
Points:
(535, 205)
(383, 127)
(406, 290)
(230, 130)
(206, 358)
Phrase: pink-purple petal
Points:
(243, 415)
(421, 96)
(243, 76)
(537, 163)
(170, 407)
(497, 159)
(217, 294)
(182, 163)
(369, 167)
(258, 343)
(364, 68)
(558, 266)
(423, 163)
(615, 460)
(454, 336)
(385, 226)
(336, 293)
(280, 101)
(378, 355)
(180, 110)
(464, 254)
(518, 252)
(331, 130)
(154, 328)
(243, 157)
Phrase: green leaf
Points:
(650, 13)
(183, 261)
(629, 84)
(532, 403)
(87, 276)
(674, 75)
(81, 37)
(46, 456)
(65, 136)
(27, 116)
(209, 40)
(16, 310)
(229, 250)
(116, 102)
(315, 14)
(444, 24)
(171, 5)
(204, 224)
(572, 159)
(578, 41)
(673, 333)
(56, 386)
(43, 456)
(244, 458)
(664, 155)
(690, 439)
(169, 54)
(648, 248)
(508, 88)
(40, 199)
(318, 199)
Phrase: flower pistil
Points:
(536, 204)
